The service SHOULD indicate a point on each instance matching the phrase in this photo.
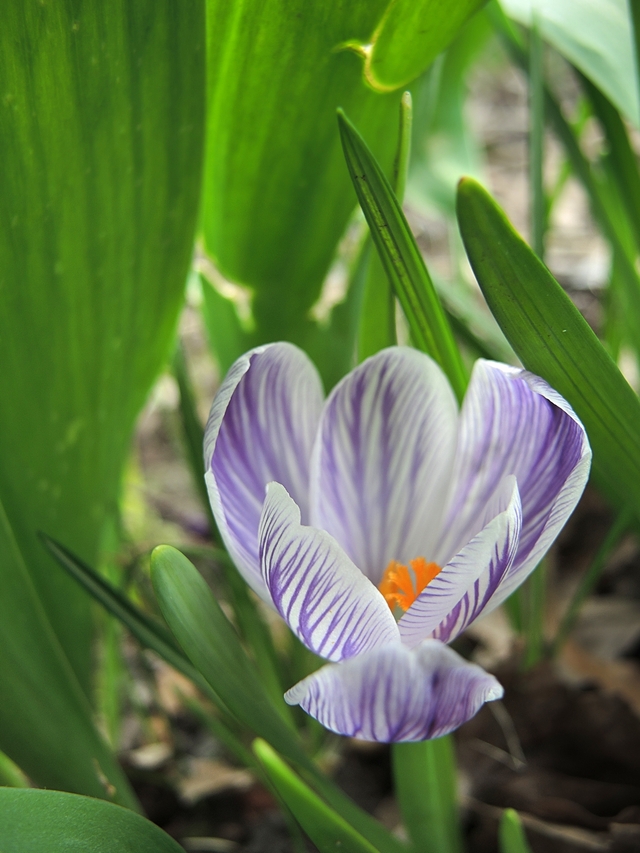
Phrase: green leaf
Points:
(101, 133)
(213, 647)
(45, 718)
(378, 314)
(37, 821)
(553, 340)
(401, 257)
(147, 630)
(328, 831)
(425, 781)
(596, 37)
(511, 833)
(408, 38)
(277, 197)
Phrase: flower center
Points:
(401, 585)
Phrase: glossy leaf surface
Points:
(408, 38)
(36, 821)
(101, 127)
(553, 340)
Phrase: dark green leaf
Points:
(213, 647)
(553, 340)
(45, 718)
(54, 822)
(401, 257)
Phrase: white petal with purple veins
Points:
(261, 428)
(382, 459)
(324, 598)
(513, 423)
(394, 694)
(454, 598)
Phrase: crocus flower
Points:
(382, 521)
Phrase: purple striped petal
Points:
(326, 600)
(261, 428)
(460, 592)
(513, 423)
(382, 459)
(395, 694)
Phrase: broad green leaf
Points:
(45, 718)
(401, 257)
(54, 822)
(511, 833)
(597, 37)
(277, 197)
(408, 38)
(328, 831)
(553, 340)
(425, 782)
(101, 128)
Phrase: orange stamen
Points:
(401, 587)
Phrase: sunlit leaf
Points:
(409, 36)
(54, 822)
(552, 339)
(101, 126)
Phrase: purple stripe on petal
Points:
(395, 694)
(261, 428)
(456, 596)
(513, 423)
(324, 598)
(382, 459)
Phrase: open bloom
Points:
(381, 522)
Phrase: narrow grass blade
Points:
(328, 831)
(46, 723)
(401, 257)
(536, 139)
(425, 781)
(35, 821)
(511, 834)
(378, 315)
(621, 158)
(553, 340)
